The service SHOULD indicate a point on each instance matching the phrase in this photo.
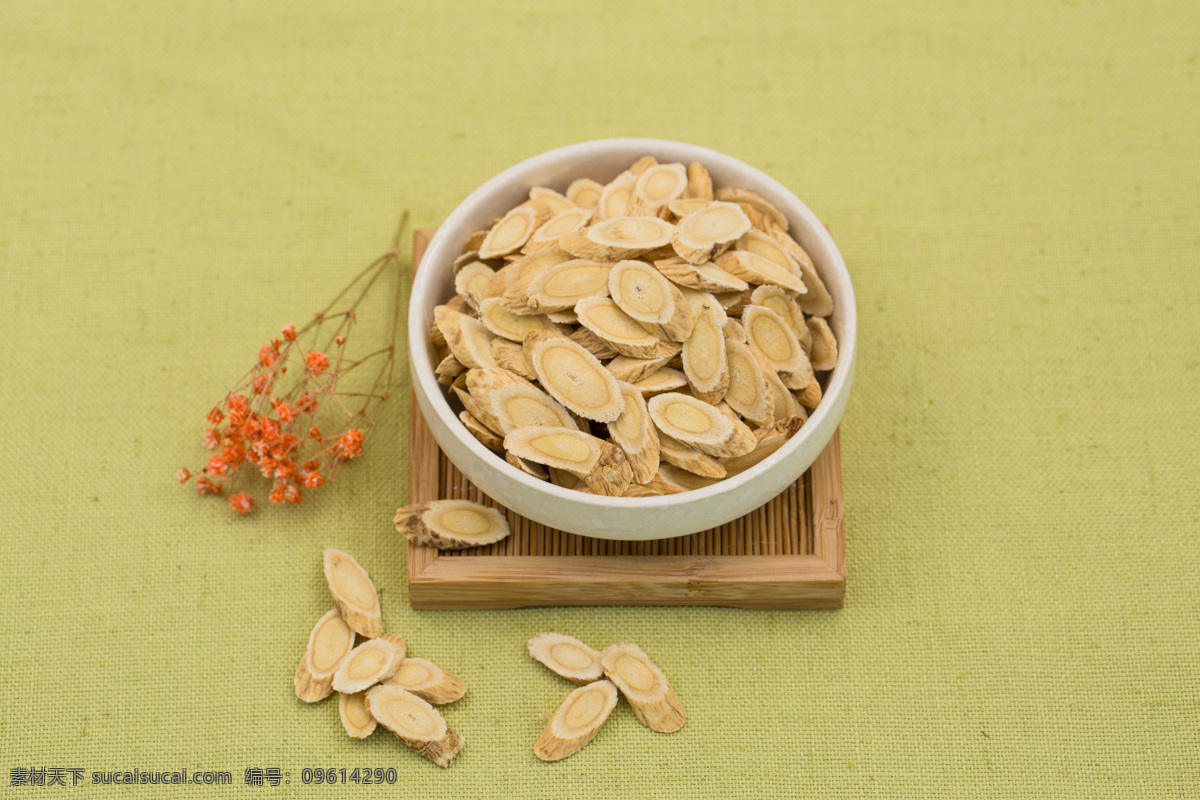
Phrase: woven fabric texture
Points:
(1016, 188)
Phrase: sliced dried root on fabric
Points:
(643, 293)
(428, 681)
(577, 720)
(645, 687)
(585, 192)
(700, 425)
(575, 378)
(371, 662)
(769, 335)
(601, 465)
(329, 643)
(709, 231)
(451, 524)
(824, 345)
(353, 593)
(620, 333)
(352, 709)
(567, 656)
(636, 435)
(415, 722)
(615, 239)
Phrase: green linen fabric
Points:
(1015, 187)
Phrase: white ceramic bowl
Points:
(622, 517)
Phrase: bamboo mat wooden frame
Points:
(788, 554)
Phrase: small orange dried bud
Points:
(349, 444)
(215, 416)
(242, 503)
(310, 480)
(239, 410)
(289, 332)
(268, 355)
(183, 476)
(286, 413)
(206, 486)
(316, 362)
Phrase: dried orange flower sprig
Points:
(291, 419)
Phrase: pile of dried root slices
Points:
(377, 683)
(645, 337)
(621, 668)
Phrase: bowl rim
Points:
(421, 366)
